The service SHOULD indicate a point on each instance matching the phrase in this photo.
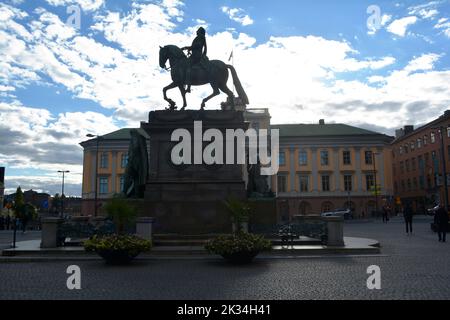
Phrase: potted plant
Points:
(118, 248)
(238, 248)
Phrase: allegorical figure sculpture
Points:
(198, 70)
(137, 168)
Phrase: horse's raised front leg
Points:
(215, 93)
(172, 103)
(183, 94)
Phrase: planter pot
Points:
(242, 257)
(117, 257)
(244, 227)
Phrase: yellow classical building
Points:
(324, 167)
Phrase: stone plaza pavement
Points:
(412, 267)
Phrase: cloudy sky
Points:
(64, 75)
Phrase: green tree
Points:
(19, 204)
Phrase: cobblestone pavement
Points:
(6, 237)
(412, 267)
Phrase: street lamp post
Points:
(62, 192)
(375, 182)
(96, 171)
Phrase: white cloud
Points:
(443, 24)
(238, 15)
(399, 27)
(87, 5)
(425, 11)
(422, 63)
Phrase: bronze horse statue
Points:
(214, 72)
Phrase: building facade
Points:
(324, 167)
(420, 162)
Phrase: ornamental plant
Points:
(239, 242)
(129, 243)
(121, 212)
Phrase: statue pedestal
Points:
(188, 198)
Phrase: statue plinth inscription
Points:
(188, 198)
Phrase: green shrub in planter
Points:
(240, 247)
(117, 249)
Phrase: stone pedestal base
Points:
(144, 227)
(49, 235)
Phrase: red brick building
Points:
(420, 161)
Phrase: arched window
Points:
(327, 206)
(305, 208)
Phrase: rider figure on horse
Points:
(198, 51)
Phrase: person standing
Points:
(385, 214)
(408, 215)
(442, 223)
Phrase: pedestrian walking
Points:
(441, 219)
(408, 215)
(385, 215)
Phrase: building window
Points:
(282, 183)
(103, 185)
(448, 150)
(413, 164)
(407, 165)
(304, 183)
(370, 182)
(420, 162)
(348, 182)
(427, 159)
(395, 187)
(403, 186)
(415, 185)
(327, 207)
(433, 137)
(402, 167)
(368, 155)
(124, 160)
(104, 160)
(324, 160)
(122, 184)
(325, 183)
(425, 140)
(406, 148)
(303, 158)
(282, 158)
(400, 150)
(448, 132)
(422, 182)
(347, 158)
(419, 143)
(428, 182)
(409, 185)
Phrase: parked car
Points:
(342, 212)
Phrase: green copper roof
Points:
(317, 130)
(123, 134)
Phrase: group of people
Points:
(6, 222)
(441, 220)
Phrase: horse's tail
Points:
(237, 83)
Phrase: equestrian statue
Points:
(197, 70)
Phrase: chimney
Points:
(399, 133)
(408, 129)
(2, 175)
(321, 122)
